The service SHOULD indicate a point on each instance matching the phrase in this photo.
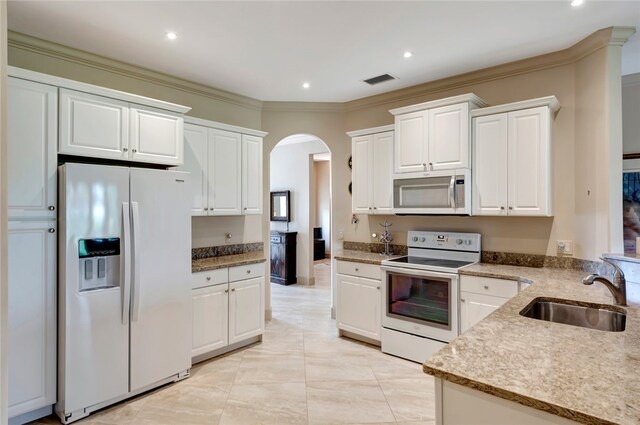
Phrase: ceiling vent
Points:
(379, 79)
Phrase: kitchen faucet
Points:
(618, 287)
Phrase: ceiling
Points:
(267, 49)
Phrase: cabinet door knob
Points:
(502, 208)
(52, 208)
(206, 209)
(208, 277)
(134, 150)
(378, 287)
(510, 208)
(375, 208)
(357, 269)
(233, 290)
(125, 149)
(245, 208)
(226, 291)
(462, 300)
(52, 230)
(486, 286)
(248, 271)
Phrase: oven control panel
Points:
(444, 240)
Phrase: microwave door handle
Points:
(452, 196)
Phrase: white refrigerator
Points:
(124, 323)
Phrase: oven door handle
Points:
(452, 196)
(419, 273)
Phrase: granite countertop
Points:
(212, 263)
(581, 374)
(362, 256)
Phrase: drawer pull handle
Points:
(208, 277)
(486, 286)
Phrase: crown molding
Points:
(333, 107)
(47, 48)
(597, 40)
(373, 130)
(473, 100)
(223, 126)
(550, 101)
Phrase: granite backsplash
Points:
(219, 251)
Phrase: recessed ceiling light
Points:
(172, 35)
(408, 54)
(575, 3)
(306, 85)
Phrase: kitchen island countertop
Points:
(585, 375)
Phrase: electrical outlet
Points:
(340, 235)
(565, 247)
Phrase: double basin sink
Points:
(585, 315)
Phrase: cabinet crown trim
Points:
(550, 101)
(373, 130)
(473, 100)
(222, 126)
(39, 77)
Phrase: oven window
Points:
(419, 299)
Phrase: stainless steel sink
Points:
(592, 316)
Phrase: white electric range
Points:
(421, 293)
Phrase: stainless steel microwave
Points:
(445, 192)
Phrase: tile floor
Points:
(302, 373)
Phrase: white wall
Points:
(210, 231)
(291, 169)
(3, 214)
(323, 200)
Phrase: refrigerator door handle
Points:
(135, 302)
(126, 290)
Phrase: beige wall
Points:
(323, 200)
(631, 113)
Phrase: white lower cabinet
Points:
(481, 296)
(32, 316)
(228, 311)
(246, 306)
(210, 318)
(359, 300)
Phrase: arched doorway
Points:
(300, 164)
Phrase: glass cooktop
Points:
(431, 262)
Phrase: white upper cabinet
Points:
(195, 162)
(410, 150)
(225, 185)
(32, 114)
(93, 126)
(433, 135)
(156, 136)
(512, 158)
(226, 164)
(251, 174)
(449, 137)
(372, 172)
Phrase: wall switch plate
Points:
(565, 247)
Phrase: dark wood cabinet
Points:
(283, 257)
(318, 249)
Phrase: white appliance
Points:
(421, 293)
(433, 192)
(124, 284)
